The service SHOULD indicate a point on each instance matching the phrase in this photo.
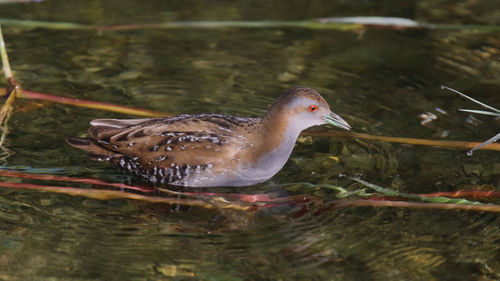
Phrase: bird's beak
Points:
(337, 121)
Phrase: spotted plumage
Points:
(208, 149)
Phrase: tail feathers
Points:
(94, 150)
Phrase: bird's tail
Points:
(93, 148)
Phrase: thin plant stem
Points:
(5, 59)
(106, 194)
(465, 193)
(13, 174)
(331, 23)
(87, 104)
(405, 204)
(93, 104)
(490, 141)
(12, 91)
(483, 112)
(471, 99)
(413, 141)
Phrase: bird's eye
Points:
(313, 108)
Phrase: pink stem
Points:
(106, 194)
(4, 173)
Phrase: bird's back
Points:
(192, 150)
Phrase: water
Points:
(379, 80)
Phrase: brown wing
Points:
(194, 140)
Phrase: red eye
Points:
(313, 108)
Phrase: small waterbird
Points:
(203, 150)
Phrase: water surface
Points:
(379, 79)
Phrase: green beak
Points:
(337, 121)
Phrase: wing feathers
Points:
(146, 146)
(118, 123)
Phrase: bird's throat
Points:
(278, 139)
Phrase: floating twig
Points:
(88, 104)
(405, 204)
(105, 194)
(13, 174)
(413, 141)
(332, 23)
(488, 142)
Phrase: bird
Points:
(208, 150)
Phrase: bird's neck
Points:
(278, 135)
